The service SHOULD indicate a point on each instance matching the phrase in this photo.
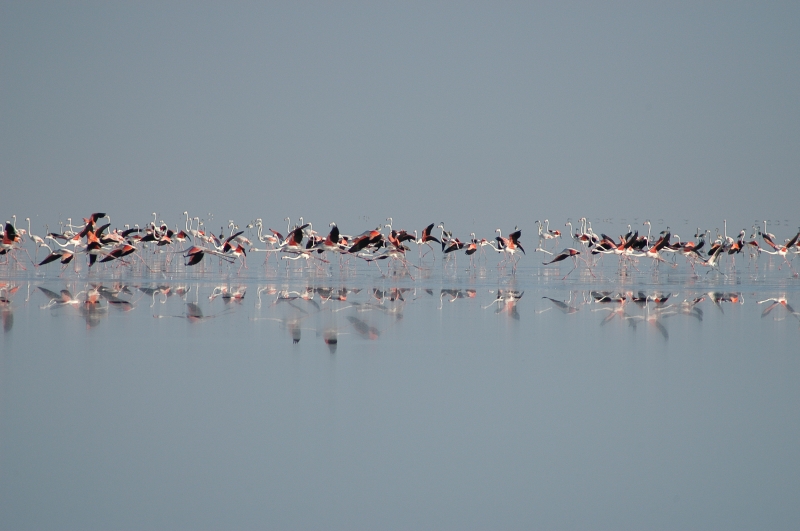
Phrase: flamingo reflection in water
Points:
(455, 294)
(293, 322)
(194, 314)
(330, 336)
(506, 301)
(228, 294)
(89, 303)
(607, 297)
(92, 310)
(7, 291)
(564, 307)
(363, 329)
(718, 298)
(779, 302)
(112, 296)
(650, 317)
(689, 307)
(62, 298)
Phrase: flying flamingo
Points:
(713, 259)
(64, 255)
(782, 250)
(239, 253)
(118, 253)
(569, 252)
(331, 243)
(510, 245)
(10, 242)
(425, 239)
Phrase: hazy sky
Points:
(469, 113)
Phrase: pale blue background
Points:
(471, 113)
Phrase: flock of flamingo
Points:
(100, 244)
(155, 244)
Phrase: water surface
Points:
(460, 399)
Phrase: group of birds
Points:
(102, 244)
(631, 246)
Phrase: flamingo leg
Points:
(575, 262)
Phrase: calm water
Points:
(296, 400)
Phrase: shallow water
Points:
(288, 398)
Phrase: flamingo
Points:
(365, 239)
(64, 255)
(545, 233)
(713, 260)
(552, 233)
(331, 242)
(10, 242)
(782, 250)
(239, 253)
(425, 239)
(510, 245)
(569, 252)
(471, 248)
(119, 252)
(35, 239)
